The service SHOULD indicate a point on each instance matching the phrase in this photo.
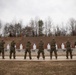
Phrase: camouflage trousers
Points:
(2, 51)
(42, 54)
(27, 51)
(12, 52)
(51, 52)
(69, 51)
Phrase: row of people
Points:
(40, 49)
(34, 46)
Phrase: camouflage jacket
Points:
(41, 45)
(28, 45)
(13, 44)
(68, 44)
(2, 44)
(53, 43)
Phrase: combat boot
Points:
(30, 58)
(43, 58)
(24, 57)
(56, 56)
(66, 57)
(2, 56)
(71, 56)
(37, 57)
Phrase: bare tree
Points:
(0, 24)
(27, 31)
(63, 31)
(0, 28)
(46, 28)
(32, 24)
(11, 30)
(57, 31)
(39, 28)
(17, 29)
(6, 30)
(49, 26)
(72, 23)
(36, 28)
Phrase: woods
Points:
(38, 27)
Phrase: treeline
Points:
(39, 27)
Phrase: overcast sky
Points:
(59, 10)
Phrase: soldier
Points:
(68, 49)
(75, 44)
(12, 49)
(41, 49)
(28, 49)
(2, 48)
(53, 48)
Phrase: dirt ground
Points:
(37, 67)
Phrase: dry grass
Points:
(38, 68)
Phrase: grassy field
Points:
(37, 67)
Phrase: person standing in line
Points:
(2, 48)
(53, 48)
(28, 50)
(12, 49)
(68, 49)
(41, 49)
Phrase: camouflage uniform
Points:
(2, 48)
(75, 43)
(28, 49)
(41, 49)
(12, 49)
(69, 50)
(53, 49)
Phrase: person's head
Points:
(53, 39)
(2, 40)
(12, 40)
(40, 40)
(28, 41)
